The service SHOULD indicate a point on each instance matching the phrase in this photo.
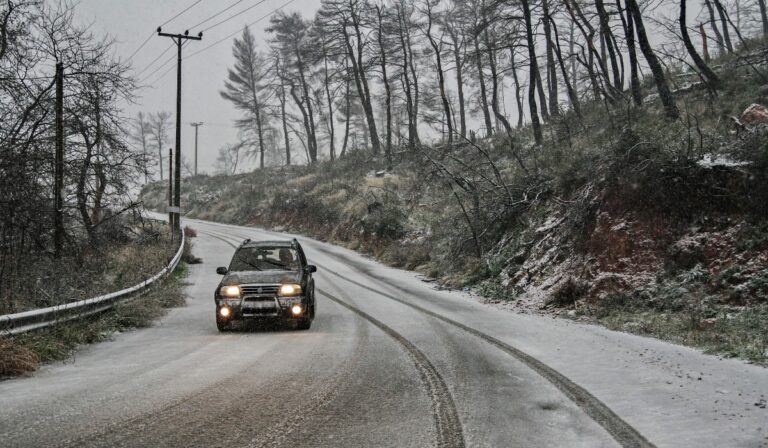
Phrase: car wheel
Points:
(304, 324)
(223, 325)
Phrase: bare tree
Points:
(159, 124)
(139, 133)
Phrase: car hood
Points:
(248, 277)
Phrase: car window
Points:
(265, 259)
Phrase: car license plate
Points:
(259, 305)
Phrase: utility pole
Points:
(170, 191)
(58, 175)
(196, 126)
(178, 39)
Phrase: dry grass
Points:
(22, 354)
(15, 359)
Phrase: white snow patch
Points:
(550, 224)
(710, 161)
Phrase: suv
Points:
(266, 280)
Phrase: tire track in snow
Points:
(448, 427)
(624, 433)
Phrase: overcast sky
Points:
(131, 22)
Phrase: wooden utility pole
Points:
(58, 183)
(196, 126)
(170, 190)
(178, 39)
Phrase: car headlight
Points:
(290, 290)
(230, 291)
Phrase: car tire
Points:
(223, 326)
(304, 324)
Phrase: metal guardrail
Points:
(11, 324)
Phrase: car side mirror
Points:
(222, 271)
(311, 268)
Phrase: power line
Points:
(173, 58)
(152, 33)
(238, 31)
(235, 15)
(170, 46)
(206, 29)
(219, 41)
(182, 12)
(141, 46)
(217, 14)
(157, 69)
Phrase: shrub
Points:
(568, 292)
(15, 359)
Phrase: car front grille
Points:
(259, 291)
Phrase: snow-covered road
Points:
(389, 361)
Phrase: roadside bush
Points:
(189, 232)
(15, 359)
(568, 292)
(384, 220)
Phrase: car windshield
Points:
(265, 259)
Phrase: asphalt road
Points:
(389, 361)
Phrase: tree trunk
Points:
(704, 43)
(516, 79)
(658, 72)
(80, 193)
(495, 83)
(362, 86)
(331, 126)
(572, 57)
(554, 102)
(605, 31)
(260, 132)
(763, 16)
(460, 84)
(160, 153)
(537, 133)
(573, 96)
(387, 89)
(483, 92)
(284, 119)
(588, 37)
(724, 24)
(542, 95)
(311, 136)
(4, 29)
(440, 79)
(101, 188)
(588, 31)
(300, 104)
(347, 108)
(634, 76)
(409, 110)
(410, 67)
(709, 75)
(713, 24)
(412, 120)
